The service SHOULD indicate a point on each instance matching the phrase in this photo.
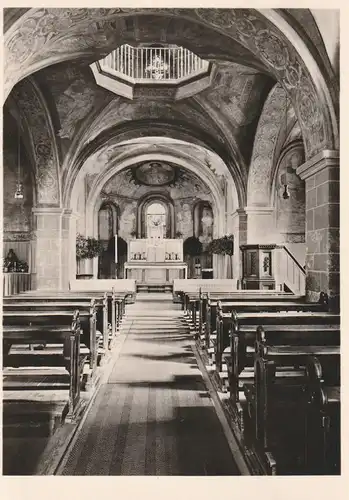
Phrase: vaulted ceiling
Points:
(82, 118)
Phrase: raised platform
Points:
(155, 287)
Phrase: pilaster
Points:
(321, 176)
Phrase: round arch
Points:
(184, 161)
(178, 131)
(32, 43)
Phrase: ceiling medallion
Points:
(154, 173)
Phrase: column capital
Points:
(324, 159)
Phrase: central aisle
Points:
(152, 415)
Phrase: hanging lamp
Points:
(19, 186)
(286, 193)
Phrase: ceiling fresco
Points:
(240, 116)
(185, 185)
(85, 109)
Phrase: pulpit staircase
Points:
(290, 275)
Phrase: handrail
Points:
(289, 271)
(160, 64)
(294, 259)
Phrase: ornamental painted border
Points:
(30, 100)
(39, 38)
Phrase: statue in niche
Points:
(206, 225)
(288, 179)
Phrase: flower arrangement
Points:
(87, 248)
(192, 246)
(12, 264)
(222, 246)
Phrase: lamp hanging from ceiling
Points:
(286, 193)
(19, 186)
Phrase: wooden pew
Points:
(39, 315)
(282, 384)
(323, 424)
(121, 286)
(87, 312)
(113, 306)
(243, 335)
(66, 332)
(196, 308)
(289, 302)
(246, 304)
(182, 287)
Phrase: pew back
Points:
(102, 285)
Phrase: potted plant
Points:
(222, 246)
(86, 249)
(179, 235)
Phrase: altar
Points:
(155, 261)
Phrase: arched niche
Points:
(108, 221)
(168, 210)
(203, 221)
(289, 200)
(108, 218)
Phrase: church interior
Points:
(171, 282)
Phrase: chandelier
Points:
(157, 68)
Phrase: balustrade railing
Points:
(163, 64)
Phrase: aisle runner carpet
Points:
(153, 416)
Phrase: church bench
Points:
(115, 304)
(243, 335)
(279, 300)
(196, 304)
(39, 320)
(250, 304)
(122, 286)
(182, 287)
(246, 304)
(323, 417)
(222, 340)
(283, 382)
(19, 384)
(88, 318)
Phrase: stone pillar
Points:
(321, 175)
(260, 225)
(52, 230)
(239, 230)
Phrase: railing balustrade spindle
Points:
(151, 63)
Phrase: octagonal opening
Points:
(169, 64)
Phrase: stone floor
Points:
(152, 414)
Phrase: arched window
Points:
(156, 220)
(155, 216)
